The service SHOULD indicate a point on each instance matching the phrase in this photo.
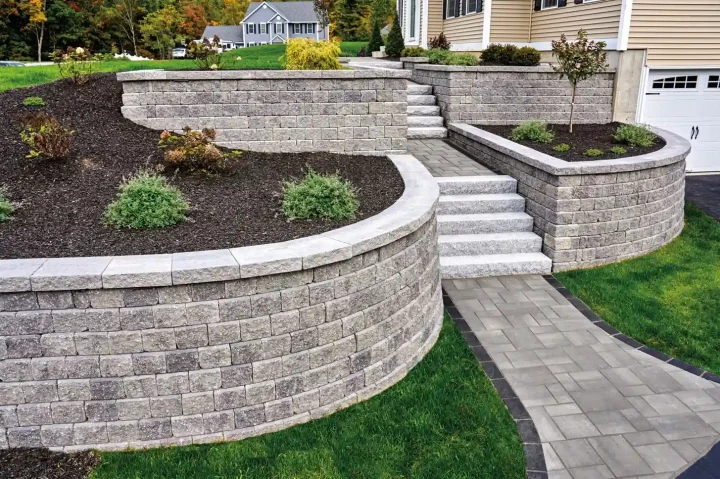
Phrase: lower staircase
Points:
(484, 230)
(424, 120)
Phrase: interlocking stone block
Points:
(172, 384)
(123, 431)
(249, 416)
(68, 412)
(40, 391)
(187, 425)
(154, 429)
(130, 409)
(205, 312)
(215, 422)
(34, 414)
(116, 365)
(79, 367)
(204, 380)
(24, 437)
(57, 435)
(107, 388)
(140, 386)
(166, 406)
(101, 411)
(260, 392)
(224, 333)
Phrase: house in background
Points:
(666, 53)
(231, 36)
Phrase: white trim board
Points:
(466, 47)
(424, 23)
(248, 15)
(487, 22)
(625, 18)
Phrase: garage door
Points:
(687, 103)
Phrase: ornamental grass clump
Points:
(635, 135)
(307, 54)
(532, 130)
(33, 101)
(6, 206)
(146, 201)
(46, 137)
(317, 196)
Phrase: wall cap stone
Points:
(414, 59)
(183, 75)
(492, 69)
(407, 214)
(675, 151)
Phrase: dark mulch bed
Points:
(62, 204)
(45, 464)
(583, 137)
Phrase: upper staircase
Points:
(423, 115)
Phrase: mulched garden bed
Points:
(62, 204)
(583, 137)
(45, 464)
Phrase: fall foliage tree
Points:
(35, 11)
(160, 29)
(234, 11)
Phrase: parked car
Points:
(11, 64)
(179, 53)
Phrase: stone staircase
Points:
(484, 230)
(424, 120)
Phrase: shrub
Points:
(526, 56)
(146, 200)
(207, 55)
(439, 42)
(463, 59)
(446, 57)
(635, 135)
(76, 64)
(593, 152)
(562, 148)
(6, 207)
(618, 150)
(46, 137)
(532, 130)
(307, 54)
(193, 150)
(413, 52)
(33, 101)
(395, 43)
(362, 52)
(499, 54)
(316, 196)
(376, 40)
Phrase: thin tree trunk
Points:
(572, 106)
(39, 34)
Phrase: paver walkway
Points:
(443, 160)
(704, 192)
(602, 408)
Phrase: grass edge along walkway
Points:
(445, 419)
(669, 299)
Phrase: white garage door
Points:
(687, 102)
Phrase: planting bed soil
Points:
(62, 203)
(583, 137)
(46, 464)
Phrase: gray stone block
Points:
(19, 347)
(11, 393)
(92, 343)
(224, 333)
(24, 437)
(214, 356)
(116, 365)
(125, 342)
(169, 315)
(63, 274)
(304, 339)
(182, 360)
(158, 339)
(58, 344)
(187, 425)
(34, 414)
(8, 417)
(260, 392)
(229, 398)
(247, 352)
(196, 403)
(264, 304)
(131, 409)
(140, 386)
(285, 322)
(57, 435)
(172, 383)
(192, 336)
(204, 380)
(101, 411)
(249, 416)
(280, 409)
(205, 312)
(18, 302)
(166, 406)
(149, 363)
(255, 328)
(68, 412)
(71, 320)
(40, 391)
(79, 367)
(49, 368)
(74, 390)
(154, 429)
(140, 297)
(215, 422)
(137, 318)
(235, 376)
(15, 370)
(107, 388)
(55, 300)
(123, 431)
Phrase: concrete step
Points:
(485, 203)
(427, 132)
(415, 89)
(484, 223)
(425, 121)
(424, 110)
(457, 267)
(473, 185)
(420, 100)
(489, 243)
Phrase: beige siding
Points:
(467, 29)
(601, 19)
(510, 21)
(675, 34)
(435, 18)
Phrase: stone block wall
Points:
(362, 112)
(593, 212)
(92, 355)
(509, 95)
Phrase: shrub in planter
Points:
(193, 150)
(46, 137)
(144, 201)
(316, 196)
(395, 43)
(6, 207)
(76, 64)
(635, 135)
(438, 57)
(532, 130)
(462, 59)
(561, 148)
(33, 101)
(593, 152)
(499, 54)
(307, 54)
(526, 57)
(618, 150)
(439, 42)
(376, 40)
(413, 52)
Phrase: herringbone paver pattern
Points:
(443, 160)
(602, 408)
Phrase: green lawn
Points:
(444, 420)
(669, 299)
(264, 57)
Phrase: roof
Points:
(228, 33)
(293, 11)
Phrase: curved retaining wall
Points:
(145, 351)
(591, 212)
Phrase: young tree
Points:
(578, 61)
(128, 10)
(395, 43)
(35, 10)
(323, 9)
(376, 40)
(160, 29)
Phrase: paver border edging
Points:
(534, 457)
(145, 75)
(412, 209)
(613, 332)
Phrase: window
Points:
(675, 83)
(413, 14)
(263, 28)
(250, 28)
(472, 6)
(549, 4)
(309, 28)
(451, 10)
(714, 81)
(297, 28)
(251, 44)
(279, 28)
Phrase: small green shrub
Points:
(46, 136)
(33, 101)
(77, 64)
(562, 148)
(307, 54)
(532, 130)
(316, 196)
(618, 150)
(208, 55)
(395, 43)
(510, 55)
(446, 57)
(635, 135)
(439, 42)
(526, 57)
(438, 57)
(6, 207)
(376, 40)
(413, 52)
(463, 59)
(146, 200)
(593, 152)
